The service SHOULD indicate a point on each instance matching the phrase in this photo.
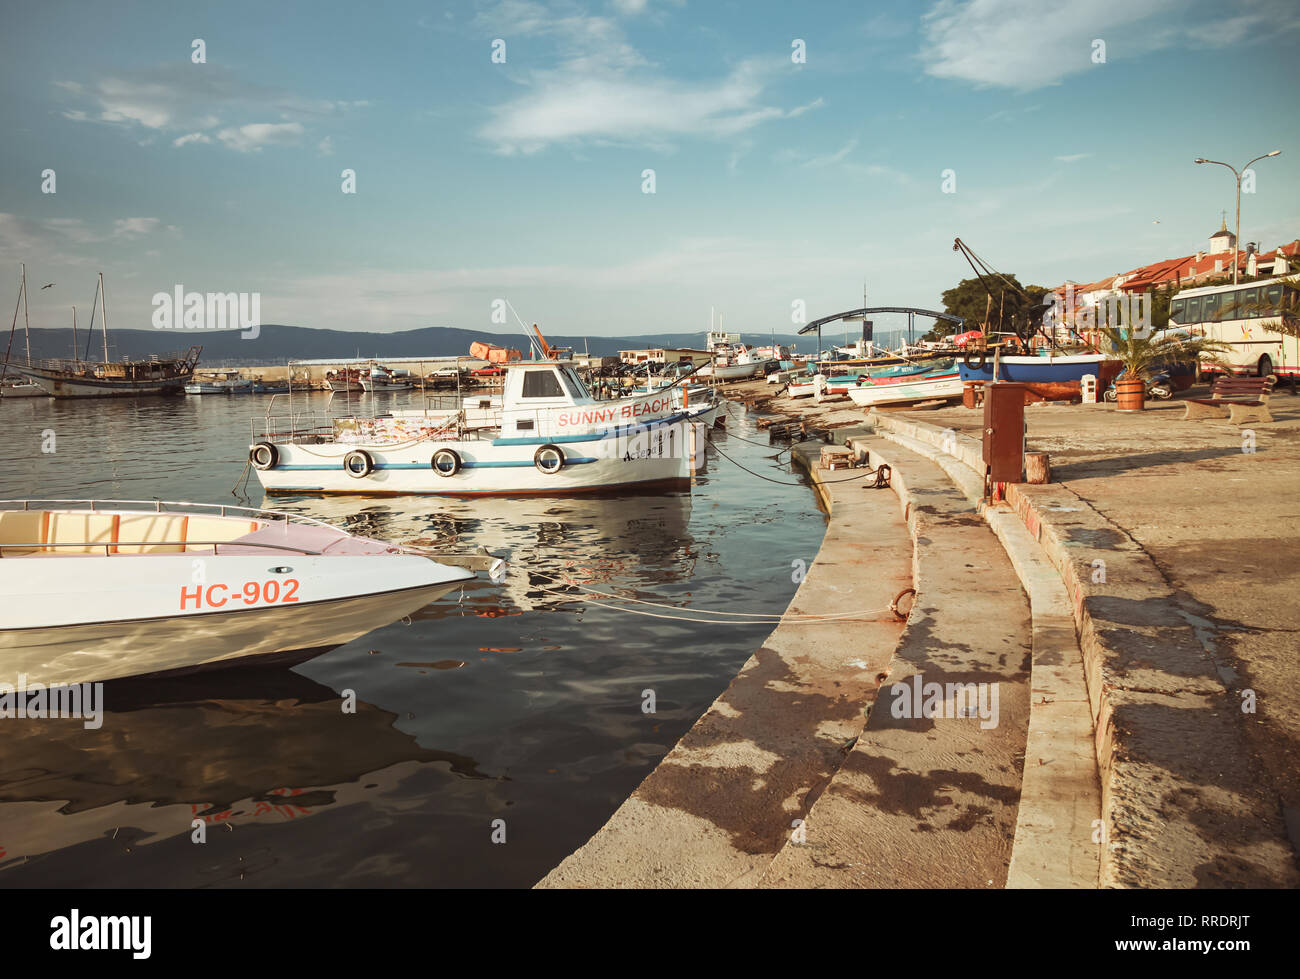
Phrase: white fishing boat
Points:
(219, 382)
(903, 389)
(544, 434)
(22, 389)
(96, 590)
(732, 364)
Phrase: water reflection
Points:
(177, 749)
(518, 701)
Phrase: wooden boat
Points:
(97, 590)
(1054, 377)
(76, 378)
(543, 435)
(348, 379)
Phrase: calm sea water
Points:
(509, 701)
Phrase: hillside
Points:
(276, 343)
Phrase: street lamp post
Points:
(1236, 240)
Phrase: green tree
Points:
(1010, 310)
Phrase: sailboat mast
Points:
(27, 330)
(74, 335)
(103, 313)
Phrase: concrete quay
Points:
(1170, 537)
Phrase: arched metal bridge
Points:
(852, 314)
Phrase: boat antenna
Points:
(532, 343)
(74, 335)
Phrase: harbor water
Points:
(492, 734)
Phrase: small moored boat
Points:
(96, 590)
(544, 434)
(903, 389)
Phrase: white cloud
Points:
(254, 136)
(574, 106)
(1026, 44)
(326, 146)
(1073, 157)
(134, 226)
(192, 101)
(832, 158)
(602, 90)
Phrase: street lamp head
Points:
(1199, 160)
(1274, 153)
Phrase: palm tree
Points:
(1144, 354)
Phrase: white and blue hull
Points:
(658, 453)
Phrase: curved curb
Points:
(1060, 797)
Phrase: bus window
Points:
(1249, 298)
(1176, 309)
(1272, 297)
(1193, 310)
(1210, 307)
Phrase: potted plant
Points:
(1142, 353)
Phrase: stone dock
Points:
(1135, 617)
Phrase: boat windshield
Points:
(577, 390)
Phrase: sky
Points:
(798, 151)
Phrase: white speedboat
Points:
(99, 590)
(906, 388)
(544, 434)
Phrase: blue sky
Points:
(775, 181)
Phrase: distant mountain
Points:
(276, 344)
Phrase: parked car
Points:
(491, 370)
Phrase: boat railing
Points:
(166, 506)
(110, 547)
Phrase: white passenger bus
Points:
(1233, 314)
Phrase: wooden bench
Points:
(1245, 398)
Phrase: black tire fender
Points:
(367, 463)
(970, 357)
(551, 454)
(445, 462)
(264, 456)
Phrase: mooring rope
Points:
(880, 472)
(749, 617)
